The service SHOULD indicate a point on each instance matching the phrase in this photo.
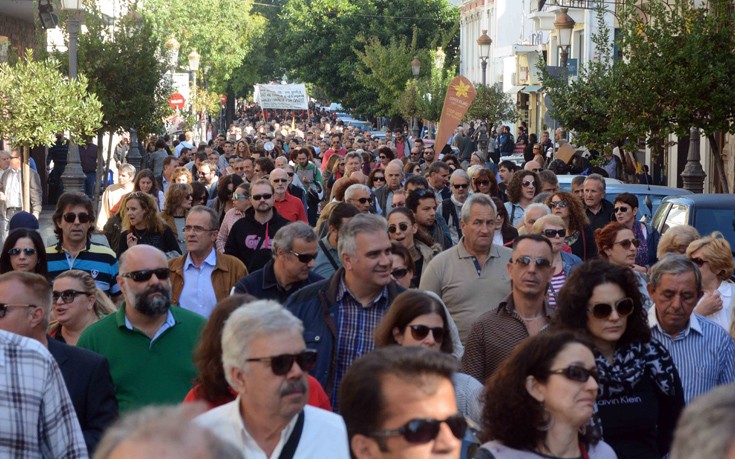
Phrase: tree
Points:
(491, 106)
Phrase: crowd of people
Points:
(310, 291)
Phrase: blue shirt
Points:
(703, 352)
(198, 294)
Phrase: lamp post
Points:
(693, 174)
(416, 71)
(172, 46)
(194, 59)
(73, 176)
(564, 24)
(484, 42)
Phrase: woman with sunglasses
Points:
(483, 181)
(403, 229)
(403, 268)
(200, 194)
(505, 234)
(179, 200)
(242, 149)
(417, 318)
(210, 386)
(376, 179)
(553, 229)
(225, 191)
(385, 155)
(23, 250)
(142, 224)
(77, 304)
(241, 203)
(640, 390)
(579, 234)
(523, 186)
(540, 401)
(626, 210)
(617, 244)
(413, 168)
(145, 181)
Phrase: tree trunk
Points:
(25, 168)
(719, 164)
(100, 168)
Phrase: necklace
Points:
(530, 319)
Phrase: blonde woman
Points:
(77, 304)
(713, 256)
(179, 199)
(143, 225)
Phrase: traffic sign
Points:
(176, 101)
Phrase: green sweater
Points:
(146, 373)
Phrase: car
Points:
(378, 135)
(362, 125)
(706, 212)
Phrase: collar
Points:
(508, 305)
(343, 291)
(248, 440)
(211, 260)
(693, 324)
(59, 248)
(494, 251)
(122, 321)
(269, 275)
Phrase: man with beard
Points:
(266, 362)
(288, 206)
(148, 343)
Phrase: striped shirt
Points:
(703, 352)
(557, 282)
(99, 261)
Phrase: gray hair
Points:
(353, 154)
(479, 199)
(5, 153)
(360, 223)
(213, 217)
(536, 205)
(706, 427)
(352, 190)
(285, 236)
(247, 323)
(674, 263)
(599, 178)
(459, 173)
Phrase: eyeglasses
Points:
(399, 273)
(624, 307)
(699, 262)
(419, 332)
(196, 229)
(577, 373)
(260, 197)
(290, 174)
(71, 217)
(621, 209)
(482, 182)
(420, 431)
(304, 258)
(383, 157)
(528, 183)
(145, 275)
(378, 179)
(282, 364)
(525, 261)
(458, 186)
(555, 233)
(280, 180)
(67, 296)
(240, 196)
(15, 251)
(4, 307)
(393, 228)
(364, 200)
(559, 204)
(625, 243)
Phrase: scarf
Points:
(631, 363)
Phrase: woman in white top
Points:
(713, 256)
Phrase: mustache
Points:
(294, 387)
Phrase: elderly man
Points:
(706, 428)
(599, 211)
(532, 166)
(294, 252)
(356, 296)
(533, 212)
(148, 343)
(393, 183)
(353, 161)
(471, 277)
(394, 389)
(203, 277)
(703, 352)
(266, 362)
(328, 261)
(39, 418)
(523, 313)
(288, 206)
(451, 208)
(359, 195)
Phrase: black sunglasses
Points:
(420, 431)
(4, 307)
(399, 273)
(378, 179)
(282, 364)
(259, 197)
(697, 261)
(280, 180)
(145, 274)
(577, 373)
(559, 204)
(67, 296)
(482, 182)
(71, 217)
(15, 251)
(402, 226)
(551, 233)
(621, 209)
(304, 258)
(364, 200)
(525, 260)
(457, 186)
(625, 243)
(419, 332)
(624, 307)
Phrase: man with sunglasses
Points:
(523, 313)
(266, 362)
(451, 208)
(393, 183)
(360, 196)
(294, 255)
(399, 402)
(288, 206)
(148, 343)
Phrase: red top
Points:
(291, 208)
(317, 397)
(330, 152)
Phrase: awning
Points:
(514, 89)
(531, 89)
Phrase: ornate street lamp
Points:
(484, 42)
(564, 24)
(172, 46)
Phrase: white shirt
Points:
(197, 294)
(13, 190)
(324, 433)
(724, 316)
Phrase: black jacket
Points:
(251, 241)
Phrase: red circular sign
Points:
(176, 100)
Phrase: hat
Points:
(23, 220)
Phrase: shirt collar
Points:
(211, 260)
(693, 324)
(463, 253)
(343, 291)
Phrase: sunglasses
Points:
(421, 431)
(559, 204)
(4, 307)
(419, 332)
(67, 296)
(145, 274)
(280, 180)
(621, 209)
(626, 243)
(528, 183)
(71, 217)
(304, 258)
(555, 233)
(393, 228)
(382, 157)
(15, 251)
(290, 174)
(624, 307)
(577, 373)
(697, 261)
(364, 200)
(259, 197)
(240, 196)
(482, 182)
(525, 261)
(398, 274)
(282, 364)
(458, 186)
(378, 179)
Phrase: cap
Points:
(23, 220)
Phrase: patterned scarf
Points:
(631, 363)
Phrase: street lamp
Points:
(194, 59)
(484, 42)
(415, 70)
(73, 176)
(172, 46)
(564, 25)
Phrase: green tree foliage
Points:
(492, 106)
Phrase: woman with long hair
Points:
(579, 234)
(179, 200)
(618, 245)
(77, 304)
(523, 186)
(242, 149)
(145, 181)
(403, 229)
(483, 181)
(143, 225)
(23, 250)
(226, 187)
(640, 395)
(505, 233)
